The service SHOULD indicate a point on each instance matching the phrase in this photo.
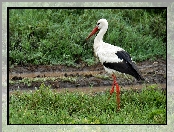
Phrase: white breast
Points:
(106, 52)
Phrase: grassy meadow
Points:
(45, 106)
(57, 37)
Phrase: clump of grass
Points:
(57, 37)
(102, 76)
(28, 81)
(45, 106)
(69, 79)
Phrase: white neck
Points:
(98, 41)
(99, 37)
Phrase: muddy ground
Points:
(83, 77)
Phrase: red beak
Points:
(93, 32)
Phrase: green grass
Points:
(56, 36)
(45, 106)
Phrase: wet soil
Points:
(83, 77)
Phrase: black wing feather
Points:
(126, 66)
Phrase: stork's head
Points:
(101, 24)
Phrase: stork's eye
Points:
(98, 23)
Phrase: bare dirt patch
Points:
(60, 77)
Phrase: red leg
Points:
(117, 91)
(118, 94)
(112, 89)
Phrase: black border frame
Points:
(8, 8)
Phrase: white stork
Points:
(113, 57)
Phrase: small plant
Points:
(102, 76)
(28, 81)
(69, 79)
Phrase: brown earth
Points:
(84, 78)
